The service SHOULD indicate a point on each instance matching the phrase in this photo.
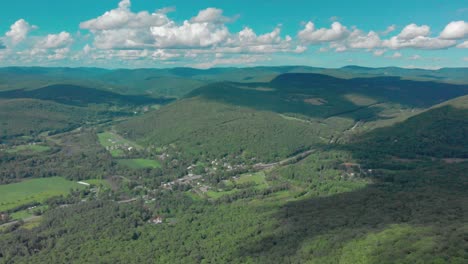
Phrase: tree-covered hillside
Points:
(26, 117)
(203, 128)
(441, 132)
(257, 165)
(274, 120)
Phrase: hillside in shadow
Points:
(414, 210)
(81, 96)
(419, 219)
(323, 96)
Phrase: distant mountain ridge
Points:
(176, 82)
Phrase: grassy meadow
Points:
(34, 190)
(139, 163)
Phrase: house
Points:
(156, 220)
(4, 217)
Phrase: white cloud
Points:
(463, 45)
(55, 41)
(59, 54)
(415, 57)
(311, 35)
(389, 30)
(189, 35)
(338, 47)
(341, 39)
(120, 28)
(413, 31)
(359, 40)
(465, 58)
(211, 15)
(19, 31)
(379, 52)
(121, 34)
(455, 30)
(419, 42)
(87, 49)
(122, 17)
(396, 55)
(414, 36)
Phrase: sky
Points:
(428, 34)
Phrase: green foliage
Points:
(30, 117)
(29, 148)
(80, 96)
(419, 221)
(139, 163)
(34, 190)
(374, 200)
(115, 144)
(203, 128)
(439, 132)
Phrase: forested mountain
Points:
(438, 132)
(251, 165)
(296, 111)
(25, 117)
(81, 96)
(177, 82)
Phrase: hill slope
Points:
(277, 119)
(80, 96)
(30, 117)
(438, 132)
(202, 127)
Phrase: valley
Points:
(228, 165)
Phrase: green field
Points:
(118, 143)
(97, 182)
(218, 194)
(31, 148)
(139, 163)
(257, 179)
(35, 190)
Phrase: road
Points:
(300, 156)
(29, 219)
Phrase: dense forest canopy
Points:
(233, 165)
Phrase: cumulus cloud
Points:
(211, 15)
(396, 55)
(414, 36)
(188, 35)
(389, 30)
(312, 35)
(412, 31)
(120, 28)
(55, 41)
(19, 31)
(379, 52)
(455, 30)
(419, 42)
(206, 40)
(359, 40)
(122, 17)
(463, 45)
(341, 39)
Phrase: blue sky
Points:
(162, 33)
